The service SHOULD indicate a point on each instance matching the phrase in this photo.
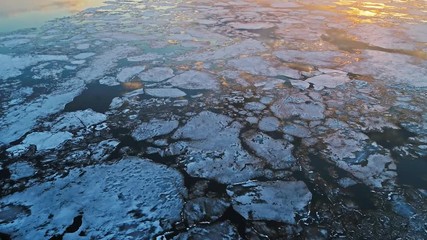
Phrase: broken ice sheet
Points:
(274, 201)
(215, 151)
(154, 128)
(133, 206)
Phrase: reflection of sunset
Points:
(18, 14)
(368, 12)
(17, 7)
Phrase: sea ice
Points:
(277, 153)
(47, 140)
(154, 128)
(286, 108)
(204, 209)
(128, 73)
(214, 150)
(12, 66)
(269, 124)
(224, 231)
(131, 198)
(195, 80)
(273, 201)
(331, 79)
(158, 74)
(80, 119)
(165, 92)
(21, 170)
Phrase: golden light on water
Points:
(18, 7)
(18, 14)
(370, 12)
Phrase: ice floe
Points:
(277, 153)
(127, 74)
(157, 74)
(223, 230)
(274, 201)
(195, 80)
(204, 209)
(215, 151)
(330, 79)
(80, 119)
(21, 170)
(120, 200)
(297, 107)
(269, 124)
(165, 92)
(12, 66)
(47, 140)
(154, 128)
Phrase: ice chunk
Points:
(296, 131)
(346, 182)
(15, 42)
(331, 79)
(214, 150)
(17, 121)
(344, 144)
(154, 128)
(254, 65)
(18, 150)
(104, 63)
(20, 170)
(109, 81)
(224, 231)
(254, 106)
(158, 74)
(249, 46)
(128, 199)
(269, 124)
(47, 140)
(204, 209)
(252, 25)
(203, 126)
(165, 92)
(128, 73)
(316, 58)
(84, 55)
(80, 119)
(375, 173)
(12, 66)
(195, 80)
(287, 108)
(274, 201)
(300, 84)
(83, 46)
(277, 153)
(144, 57)
(102, 151)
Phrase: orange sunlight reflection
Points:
(17, 7)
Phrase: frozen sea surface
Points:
(213, 119)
